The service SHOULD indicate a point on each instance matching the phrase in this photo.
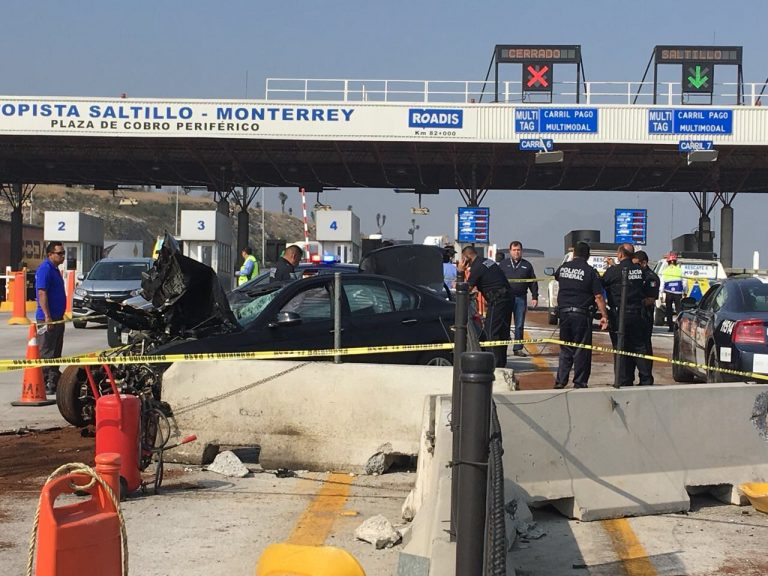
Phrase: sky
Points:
(227, 50)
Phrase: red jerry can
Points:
(117, 430)
(81, 538)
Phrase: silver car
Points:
(110, 279)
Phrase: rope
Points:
(84, 469)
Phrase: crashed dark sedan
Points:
(190, 313)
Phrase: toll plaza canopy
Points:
(373, 134)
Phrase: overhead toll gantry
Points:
(417, 135)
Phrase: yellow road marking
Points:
(315, 524)
(630, 552)
(536, 358)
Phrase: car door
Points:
(703, 323)
(310, 305)
(384, 313)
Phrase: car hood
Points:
(418, 264)
(186, 296)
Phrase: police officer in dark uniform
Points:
(490, 281)
(652, 286)
(287, 263)
(635, 331)
(579, 291)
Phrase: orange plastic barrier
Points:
(80, 538)
(32, 384)
(70, 292)
(295, 560)
(19, 295)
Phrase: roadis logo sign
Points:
(435, 118)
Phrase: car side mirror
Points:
(549, 271)
(688, 303)
(80, 277)
(285, 318)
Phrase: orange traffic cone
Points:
(33, 386)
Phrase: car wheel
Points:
(79, 323)
(552, 318)
(114, 330)
(73, 397)
(713, 362)
(680, 373)
(437, 358)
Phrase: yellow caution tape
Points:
(107, 356)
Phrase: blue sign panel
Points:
(474, 224)
(690, 121)
(690, 145)
(538, 144)
(556, 120)
(631, 226)
(435, 118)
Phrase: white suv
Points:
(698, 274)
(597, 259)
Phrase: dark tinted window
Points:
(367, 297)
(312, 305)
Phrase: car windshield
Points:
(129, 271)
(247, 309)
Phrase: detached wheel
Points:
(79, 323)
(75, 402)
(680, 373)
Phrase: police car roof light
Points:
(314, 258)
(329, 258)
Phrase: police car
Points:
(598, 259)
(727, 328)
(698, 275)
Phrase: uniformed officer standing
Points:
(635, 331)
(579, 291)
(490, 281)
(652, 287)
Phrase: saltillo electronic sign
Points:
(538, 65)
(474, 225)
(698, 67)
(631, 226)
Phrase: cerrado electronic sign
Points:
(538, 65)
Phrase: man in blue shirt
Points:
(51, 305)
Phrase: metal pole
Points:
(726, 236)
(476, 382)
(337, 315)
(263, 235)
(459, 347)
(176, 228)
(618, 365)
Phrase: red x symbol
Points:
(537, 76)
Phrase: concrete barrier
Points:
(303, 415)
(607, 453)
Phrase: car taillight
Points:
(749, 332)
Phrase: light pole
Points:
(177, 211)
(263, 235)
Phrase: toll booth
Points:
(207, 236)
(339, 233)
(82, 236)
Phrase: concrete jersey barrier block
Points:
(303, 415)
(607, 453)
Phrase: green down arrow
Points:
(697, 81)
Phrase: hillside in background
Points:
(153, 213)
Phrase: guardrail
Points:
(483, 91)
